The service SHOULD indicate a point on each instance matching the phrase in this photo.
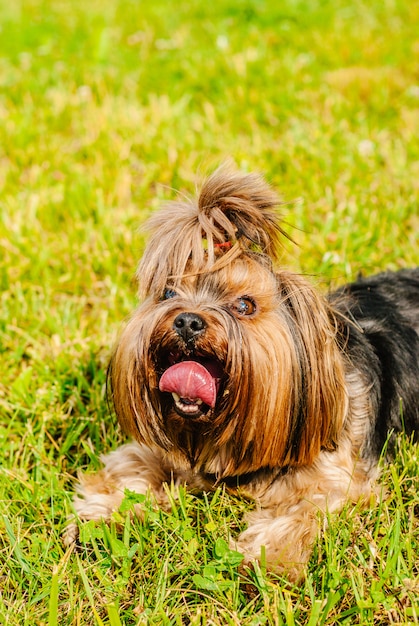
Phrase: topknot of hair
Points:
(234, 214)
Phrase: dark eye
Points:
(244, 306)
(169, 293)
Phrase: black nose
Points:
(189, 326)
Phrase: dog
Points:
(234, 371)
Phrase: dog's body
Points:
(233, 372)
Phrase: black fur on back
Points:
(380, 335)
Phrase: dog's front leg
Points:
(295, 507)
(284, 543)
(132, 466)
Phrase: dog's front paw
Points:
(95, 500)
(130, 468)
(280, 544)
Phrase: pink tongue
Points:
(191, 380)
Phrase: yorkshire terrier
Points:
(234, 371)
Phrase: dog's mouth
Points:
(194, 383)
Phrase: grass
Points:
(106, 108)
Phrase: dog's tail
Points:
(235, 214)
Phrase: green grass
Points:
(105, 109)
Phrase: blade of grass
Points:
(53, 599)
(89, 593)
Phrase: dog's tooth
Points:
(176, 398)
(198, 401)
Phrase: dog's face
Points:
(227, 365)
(204, 340)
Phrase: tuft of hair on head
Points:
(235, 213)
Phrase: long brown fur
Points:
(291, 418)
(295, 343)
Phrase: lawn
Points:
(107, 108)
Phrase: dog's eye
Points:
(243, 306)
(169, 293)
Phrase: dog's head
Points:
(227, 365)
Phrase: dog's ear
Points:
(235, 214)
(318, 380)
(292, 402)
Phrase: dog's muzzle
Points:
(193, 377)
